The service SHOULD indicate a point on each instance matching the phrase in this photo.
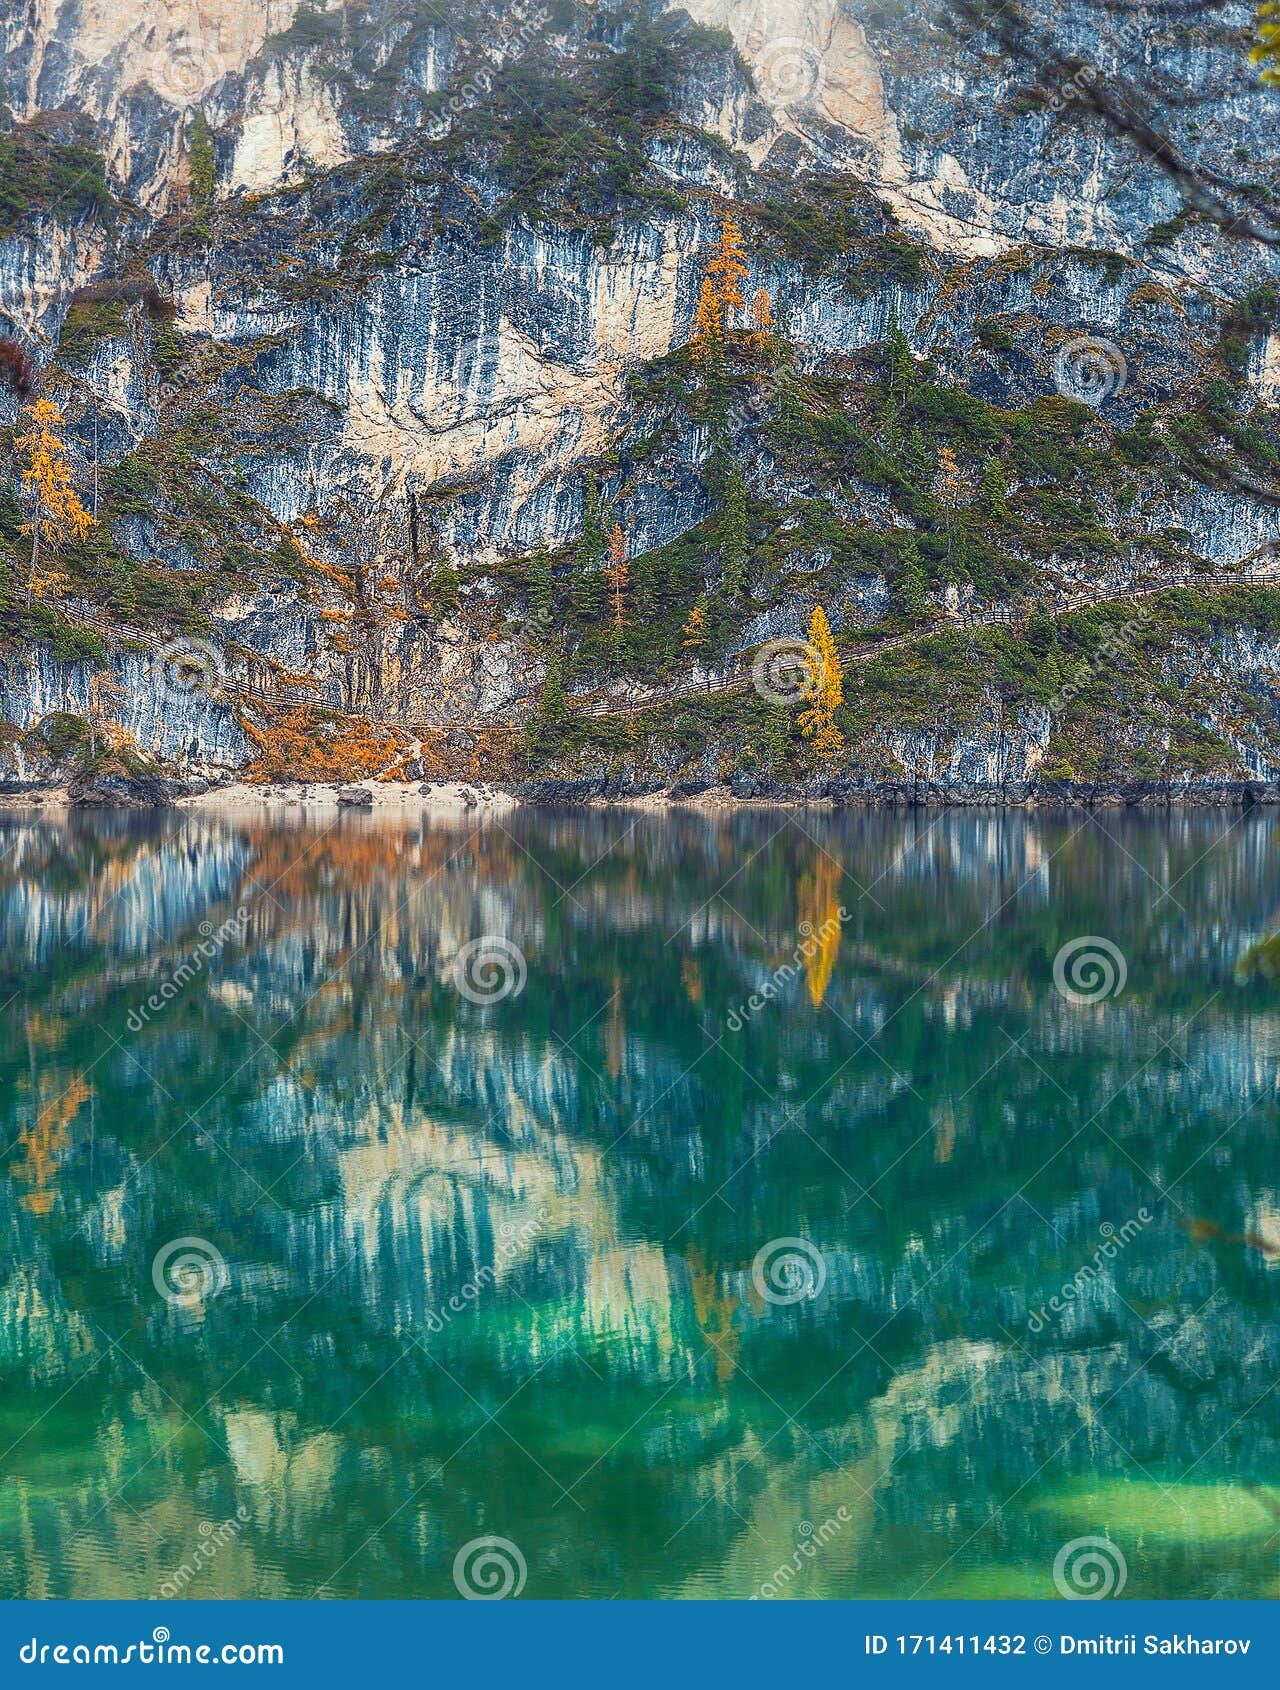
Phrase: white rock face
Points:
(103, 51)
(808, 60)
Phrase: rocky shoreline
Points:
(605, 791)
(841, 794)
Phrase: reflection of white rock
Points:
(628, 1298)
(1263, 1228)
(106, 1224)
(267, 1460)
(41, 1337)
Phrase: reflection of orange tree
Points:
(297, 866)
(818, 898)
(714, 1309)
(44, 1141)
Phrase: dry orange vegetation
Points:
(305, 744)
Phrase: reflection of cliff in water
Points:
(588, 1171)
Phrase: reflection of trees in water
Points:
(354, 1138)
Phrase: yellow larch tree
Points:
(618, 574)
(762, 320)
(695, 630)
(950, 487)
(728, 269)
(708, 327)
(46, 474)
(950, 480)
(826, 696)
(721, 296)
(1266, 49)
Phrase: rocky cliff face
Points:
(368, 302)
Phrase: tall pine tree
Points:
(735, 538)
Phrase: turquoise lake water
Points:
(697, 1205)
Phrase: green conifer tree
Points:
(541, 584)
(593, 543)
(993, 492)
(735, 537)
(900, 369)
(912, 582)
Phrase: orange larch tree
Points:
(728, 269)
(817, 721)
(695, 630)
(708, 328)
(721, 296)
(762, 319)
(618, 574)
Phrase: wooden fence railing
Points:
(737, 678)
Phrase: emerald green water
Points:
(590, 1168)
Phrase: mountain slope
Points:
(350, 311)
